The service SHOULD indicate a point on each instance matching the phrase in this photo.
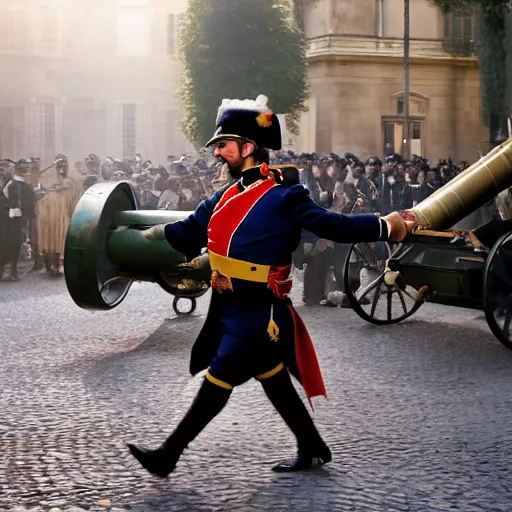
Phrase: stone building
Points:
(102, 76)
(356, 80)
(86, 76)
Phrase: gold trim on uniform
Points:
(271, 373)
(217, 382)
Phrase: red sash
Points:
(307, 362)
(231, 211)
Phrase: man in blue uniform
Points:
(250, 230)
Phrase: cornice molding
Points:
(369, 48)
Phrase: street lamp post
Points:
(406, 148)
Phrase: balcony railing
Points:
(460, 47)
(370, 46)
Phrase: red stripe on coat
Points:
(231, 212)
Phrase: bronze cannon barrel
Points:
(469, 190)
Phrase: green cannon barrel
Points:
(130, 249)
(106, 250)
(132, 252)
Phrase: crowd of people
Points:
(349, 185)
(34, 219)
(180, 185)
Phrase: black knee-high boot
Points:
(209, 401)
(312, 451)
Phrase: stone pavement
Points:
(418, 416)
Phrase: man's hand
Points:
(204, 270)
(198, 269)
(155, 233)
(399, 227)
(322, 245)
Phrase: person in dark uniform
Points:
(251, 229)
(26, 171)
(396, 186)
(39, 192)
(386, 182)
(367, 190)
(16, 207)
(317, 251)
(372, 168)
(431, 183)
(413, 191)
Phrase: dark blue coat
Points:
(236, 325)
(271, 232)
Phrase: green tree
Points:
(494, 50)
(456, 5)
(240, 49)
(298, 9)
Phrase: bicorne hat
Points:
(247, 119)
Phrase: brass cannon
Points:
(467, 268)
(106, 251)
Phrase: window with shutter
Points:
(460, 33)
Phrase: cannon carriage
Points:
(386, 284)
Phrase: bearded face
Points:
(228, 151)
(235, 172)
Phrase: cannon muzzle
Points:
(469, 190)
(106, 250)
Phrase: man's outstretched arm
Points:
(339, 227)
(190, 235)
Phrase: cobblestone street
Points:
(419, 415)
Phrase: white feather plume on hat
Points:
(258, 105)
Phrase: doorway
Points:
(393, 136)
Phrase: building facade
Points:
(356, 80)
(90, 76)
(102, 76)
